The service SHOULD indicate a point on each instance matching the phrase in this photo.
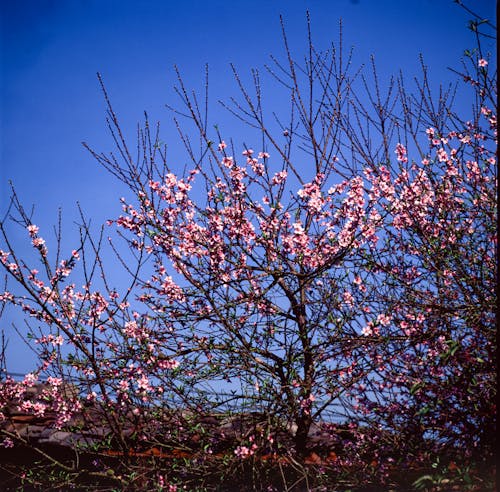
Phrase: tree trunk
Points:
(301, 436)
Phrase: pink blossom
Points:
(7, 443)
(30, 379)
(168, 364)
(401, 153)
(279, 177)
(298, 229)
(482, 62)
(38, 242)
(3, 256)
(55, 382)
(367, 330)
(143, 383)
(244, 451)
(348, 298)
(384, 320)
(6, 297)
(123, 385)
(32, 229)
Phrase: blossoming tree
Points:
(342, 271)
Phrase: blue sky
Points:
(52, 49)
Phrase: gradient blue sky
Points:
(52, 49)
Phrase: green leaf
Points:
(424, 410)
(416, 388)
(420, 482)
